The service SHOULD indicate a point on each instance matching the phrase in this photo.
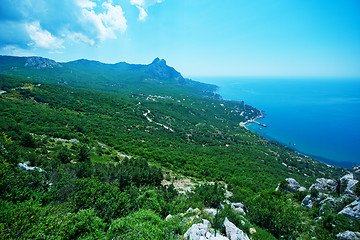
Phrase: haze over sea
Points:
(317, 117)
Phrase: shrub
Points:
(140, 225)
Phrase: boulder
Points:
(324, 185)
(308, 201)
(28, 168)
(351, 187)
(348, 235)
(211, 211)
(293, 185)
(197, 230)
(168, 217)
(327, 205)
(233, 232)
(356, 174)
(200, 231)
(238, 207)
(349, 180)
(217, 237)
(302, 189)
(352, 210)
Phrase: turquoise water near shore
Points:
(317, 117)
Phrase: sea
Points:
(318, 117)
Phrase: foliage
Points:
(140, 225)
(107, 184)
(272, 211)
(211, 195)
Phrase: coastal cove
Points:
(316, 117)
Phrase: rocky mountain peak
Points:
(159, 69)
(39, 62)
(159, 61)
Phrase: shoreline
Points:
(253, 120)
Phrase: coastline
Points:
(253, 120)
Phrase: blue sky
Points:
(197, 37)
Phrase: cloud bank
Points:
(49, 24)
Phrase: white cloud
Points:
(107, 23)
(42, 38)
(51, 24)
(86, 4)
(143, 14)
(137, 2)
(79, 37)
(145, 3)
(142, 5)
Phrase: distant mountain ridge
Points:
(97, 74)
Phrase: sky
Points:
(297, 38)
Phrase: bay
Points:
(318, 117)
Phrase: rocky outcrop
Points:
(159, 69)
(324, 185)
(211, 211)
(348, 235)
(233, 232)
(39, 62)
(352, 210)
(309, 200)
(356, 174)
(292, 186)
(197, 230)
(238, 207)
(28, 168)
(327, 205)
(349, 180)
(200, 231)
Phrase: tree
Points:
(84, 154)
(27, 140)
(64, 155)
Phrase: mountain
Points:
(93, 74)
(116, 145)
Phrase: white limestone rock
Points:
(233, 232)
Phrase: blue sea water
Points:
(317, 117)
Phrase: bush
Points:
(140, 225)
(272, 211)
(211, 195)
(86, 225)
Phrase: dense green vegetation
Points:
(127, 136)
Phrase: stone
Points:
(28, 168)
(211, 211)
(327, 205)
(348, 235)
(168, 217)
(324, 185)
(200, 231)
(238, 207)
(218, 237)
(352, 210)
(228, 194)
(233, 232)
(196, 231)
(350, 182)
(356, 175)
(293, 185)
(308, 201)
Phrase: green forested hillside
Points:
(131, 126)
